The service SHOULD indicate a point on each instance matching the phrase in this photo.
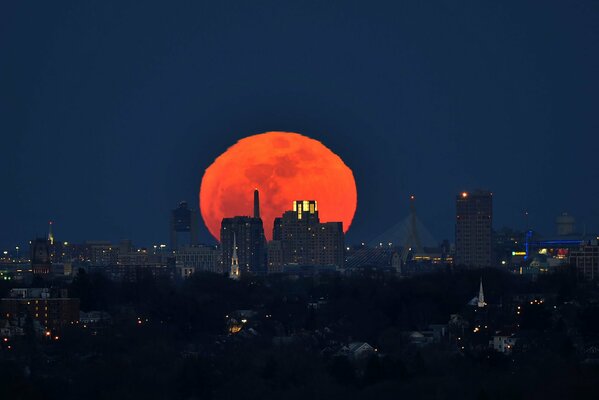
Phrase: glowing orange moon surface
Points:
(284, 167)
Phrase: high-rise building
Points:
(474, 224)
(41, 263)
(184, 226)
(307, 241)
(246, 234)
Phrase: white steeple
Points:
(481, 295)
(234, 271)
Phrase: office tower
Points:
(307, 241)
(474, 223)
(40, 257)
(565, 225)
(246, 234)
(184, 226)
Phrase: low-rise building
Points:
(53, 309)
(196, 258)
(503, 342)
(585, 260)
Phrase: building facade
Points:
(51, 309)
(275, 257)
(183, 226)
(41, 263)
(243, 237)
(200, 258)
(307, 241)
(247, 233)
(585, 260)
(473, 231)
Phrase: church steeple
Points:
(234, 271)
(481, 295)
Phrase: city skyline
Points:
(552, 224)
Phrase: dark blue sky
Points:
(109, 113)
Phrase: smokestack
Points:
(256, 204)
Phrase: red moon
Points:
(283, 166)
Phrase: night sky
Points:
(109, 113)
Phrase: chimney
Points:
(256, 204)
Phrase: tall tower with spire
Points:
(481, 295)
(252, 243)
(234, 271)
(412, 242)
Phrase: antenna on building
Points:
(50, 234)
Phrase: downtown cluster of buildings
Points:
(300, 241)
(303, 245)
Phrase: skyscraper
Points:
(184, 226)
(307, 241)
(246, 235)
(474, 224)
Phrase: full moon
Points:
(283, 166)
